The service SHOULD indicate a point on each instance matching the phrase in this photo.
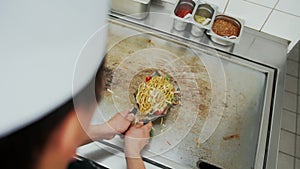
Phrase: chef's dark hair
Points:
(22, 149)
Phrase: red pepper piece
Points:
(158, 113)
(148, 78)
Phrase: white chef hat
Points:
(40, 43)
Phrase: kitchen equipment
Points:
(252, 104)
(137, 9)
(184, 7)
(182, 13)
(190, 13)
(149, 118)
(207, 93)
(208, 13)
(224, 40)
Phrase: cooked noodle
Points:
(155, 94)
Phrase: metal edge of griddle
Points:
(162, 163)
(266, 122)
(81, 158)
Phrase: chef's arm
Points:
(135, 163)
(136, 138)
(118, 124)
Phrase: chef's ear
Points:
(69, 136)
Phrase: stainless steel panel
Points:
(255, 46)
(231, 119)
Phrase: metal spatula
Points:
(152, 116)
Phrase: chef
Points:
(50, 52)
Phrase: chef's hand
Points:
(136, 138)
(118, 124)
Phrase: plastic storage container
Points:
(203, 17)
(198, 13)
(182, 13)
(226, 30)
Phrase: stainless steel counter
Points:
(254, 73)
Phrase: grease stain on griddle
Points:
(230, 137)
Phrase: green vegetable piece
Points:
(167, 77)
(151, 134)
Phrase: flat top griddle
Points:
(219, 119)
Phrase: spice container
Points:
(203, 18)
(226, 30)
(182, 13)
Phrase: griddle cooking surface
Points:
(221, 100)
(134, 55)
